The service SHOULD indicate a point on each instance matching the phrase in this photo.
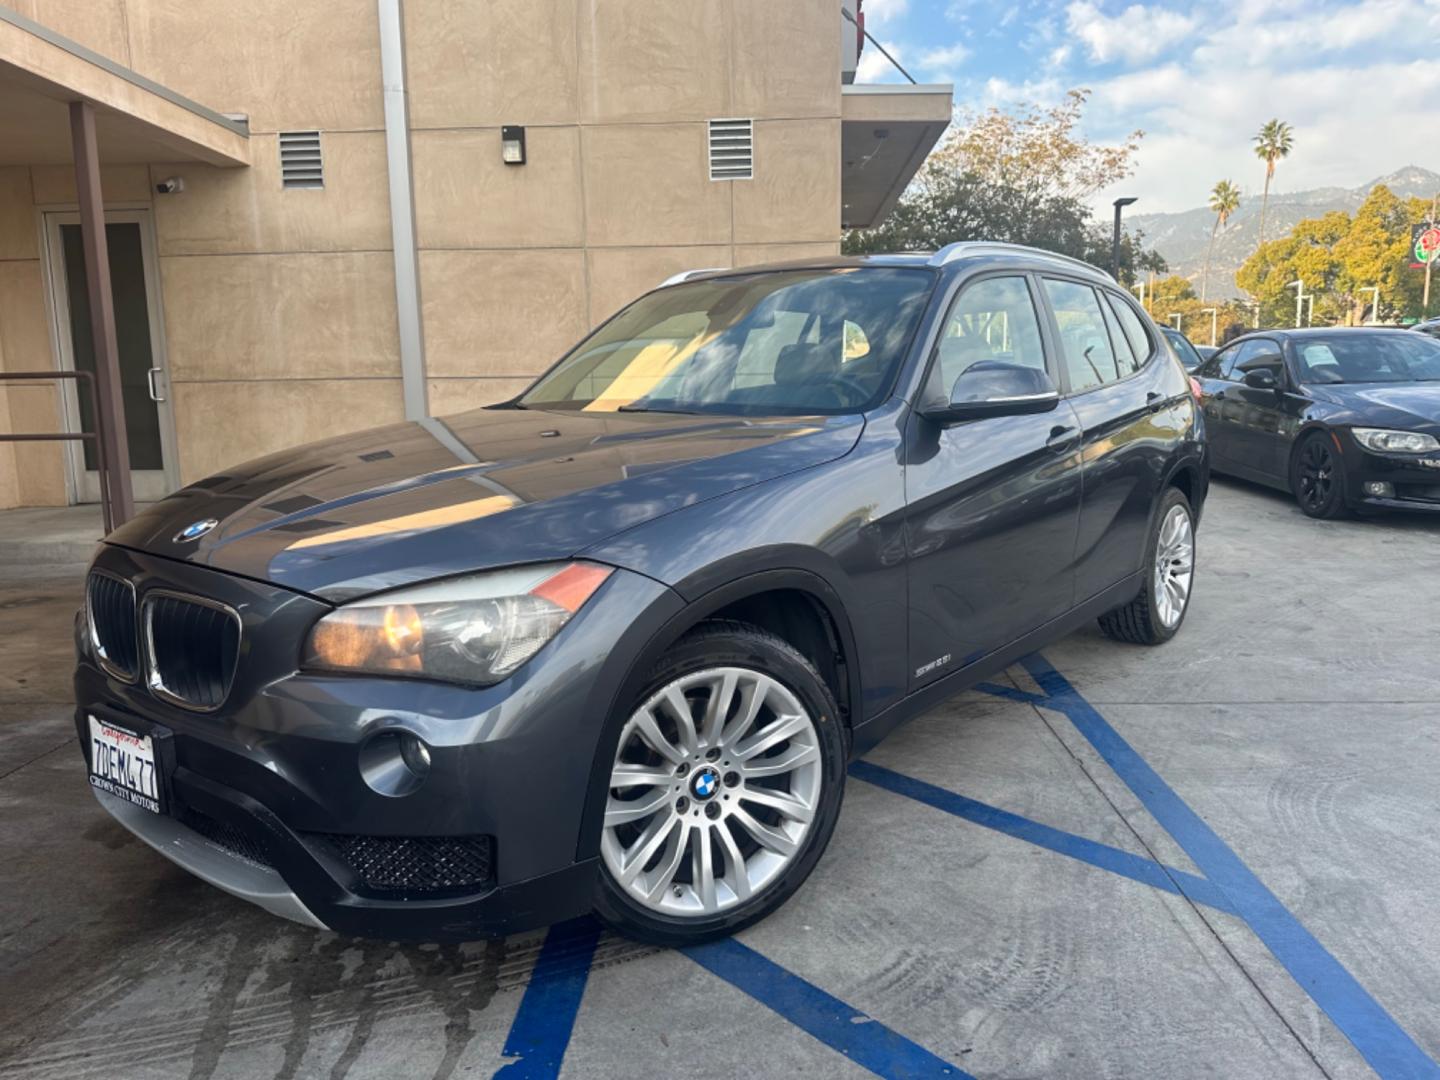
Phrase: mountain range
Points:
(1183, 237)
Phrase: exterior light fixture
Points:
(512, 144)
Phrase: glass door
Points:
(143, 379)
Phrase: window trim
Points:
(1066, 391)
(926, 395)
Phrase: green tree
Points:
(1175, 295)
(1340, 259)
(1224, 201)
(1273, 143)
(1019, 177)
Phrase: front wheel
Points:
(1317, 479)
(724, 789)
(1154, 617)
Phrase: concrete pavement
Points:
(1048, 912)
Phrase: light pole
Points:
(1375, 307)
(1214, 314)
(1310, 309)
(1120, 204)
(1139, 290)
(1177, 316)
(1299, 287)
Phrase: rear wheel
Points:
(1154, 616)
(1317, 479)
(724, 789)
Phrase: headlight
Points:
(475, 629)
(1394, 442)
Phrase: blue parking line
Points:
(540, 1033)
(861, 1038)
(1391, 1052)
(1136, 867)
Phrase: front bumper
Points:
(1413, 479)
(258, 792)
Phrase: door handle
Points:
(1219, 395)
(1062, 438)
(154, 386)
(1154, 401)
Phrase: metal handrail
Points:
(101, 465)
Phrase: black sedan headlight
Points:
(475, 629)
(1386, 441)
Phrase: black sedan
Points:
(1188, 352)
(1345, 419)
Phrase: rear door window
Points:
(1084, 338)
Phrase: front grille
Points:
(110, 604)
(192, 647)
(222, 835)
(415, 864)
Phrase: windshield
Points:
(1188, 356)
(1358, 357)
(791, 342)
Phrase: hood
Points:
(487, 488)
(1412, 406)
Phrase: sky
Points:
(1358, 82)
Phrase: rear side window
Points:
(1134, 330)
(1084, 339)
(993, 319)
(1125, 361)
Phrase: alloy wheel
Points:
(1317, 474)
(1174, 565)
(715, 784)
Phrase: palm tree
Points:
(1273, 143)
(1224, 200)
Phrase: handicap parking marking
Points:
(861, 1038)
(541, 1030)
(1380, 1040)
(1117, 861)
(545, 1021)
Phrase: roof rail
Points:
(686, 275)
(966, 249)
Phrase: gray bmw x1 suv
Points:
(610, 645)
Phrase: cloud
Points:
(942, 63)
(1137, 34)
(880, 12)
(874, 67)
(1342, 137)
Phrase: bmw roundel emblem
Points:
(195, 530)
(705, 783)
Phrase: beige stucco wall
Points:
(278, 305)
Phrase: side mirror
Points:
(994, 388)
(1262, 378)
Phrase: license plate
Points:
(122, 764)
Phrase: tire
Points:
(1157, 613)
(1317, 479)
(709, 794)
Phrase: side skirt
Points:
(868, 734)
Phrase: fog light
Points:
(394, 763)
(1379, 488)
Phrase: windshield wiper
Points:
(651, 408)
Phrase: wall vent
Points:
(300, 162)
(732, 150)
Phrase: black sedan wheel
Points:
(724, 789)
(1317, 479)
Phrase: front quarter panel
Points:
(841, 522)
